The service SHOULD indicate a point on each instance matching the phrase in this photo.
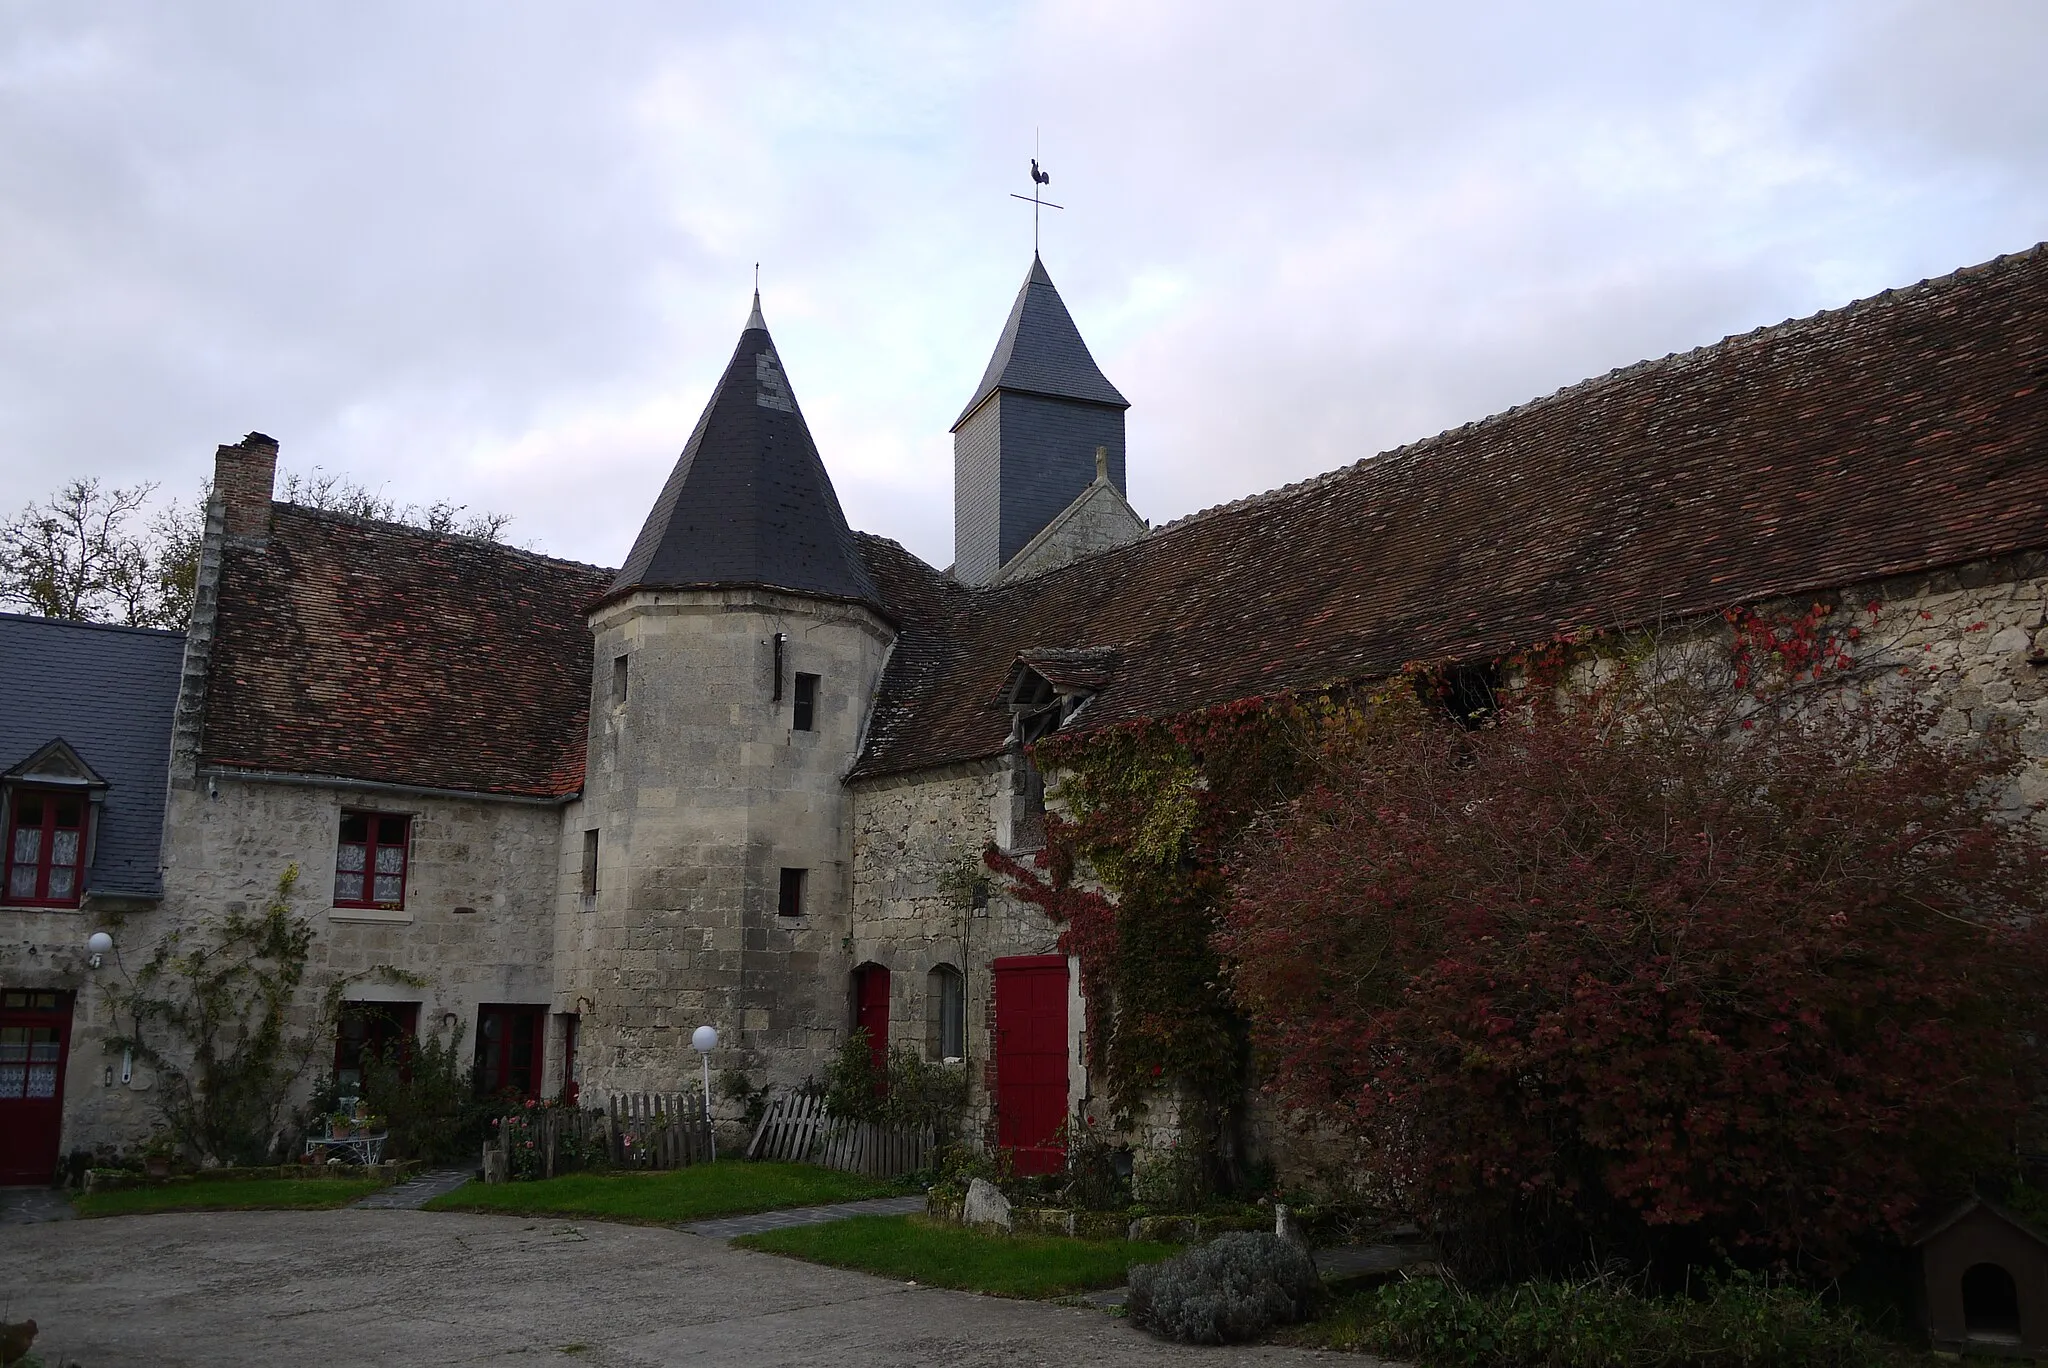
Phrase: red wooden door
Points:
(871, 1011)
(35, 1036)
(1031, 1059)
(509, 1044)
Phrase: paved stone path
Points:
(33, 1205)
(732, 1226)
(349, 1288)
(416, 1191)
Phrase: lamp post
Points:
(704, 1040)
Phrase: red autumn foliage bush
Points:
(1622, 978)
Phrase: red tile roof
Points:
(375, 651)
(1901, 433)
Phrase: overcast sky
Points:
(499, 252)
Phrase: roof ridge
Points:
(94, 626)
(1421, 446)
(462, 538)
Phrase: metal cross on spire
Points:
(1038, 178)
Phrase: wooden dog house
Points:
(1985, 1282)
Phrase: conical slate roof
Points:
(1041, 352)
(749, 502)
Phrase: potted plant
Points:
(157, 1153)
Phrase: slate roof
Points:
(1041, 352)
(749, 502)
(1898, 434)
(109, 692)
(372, 650)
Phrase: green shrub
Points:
(1097, 1175)
(958, 1166)
(1740, 1322)
(1237, 1287)
(735, 1086)
(428, 1097)
(1173, 1179)
(903, 1090)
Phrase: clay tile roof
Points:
(376, 651)
(1041, 351)
(1082, 669)
(749, 502)
(1898, 434)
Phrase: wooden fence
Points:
(633, 1130)
(659, 1130)
(797, 1130)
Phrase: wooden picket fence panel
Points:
(789, 1128)
(633, 1130)
(797, 1130)
(659, 1130)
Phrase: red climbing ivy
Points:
(1654, 970)
(1658, 962)
(1152, 809)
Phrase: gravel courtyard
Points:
(339, 1288)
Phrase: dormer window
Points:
(52, 799)
(1047, 689)
(46, 848)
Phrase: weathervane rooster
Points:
(1033, 199)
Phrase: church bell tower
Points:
(1024, 448)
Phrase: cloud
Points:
(500, 253)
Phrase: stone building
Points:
(744, 779)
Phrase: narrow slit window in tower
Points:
(590, 869)
(806, 718)
(619, 678)
(789, 900)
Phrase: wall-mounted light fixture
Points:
(98, 945)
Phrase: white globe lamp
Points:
(704, 1040)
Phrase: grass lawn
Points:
(696, 1193)
(232, 1194)
(915, 1249)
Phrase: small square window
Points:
(806, 718)
(789, 901)
(370, 861)
(621, 676)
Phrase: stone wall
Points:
(703, 791)
(1099, 520)
(477, 923)
(917, 842)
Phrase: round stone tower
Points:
(736, 656)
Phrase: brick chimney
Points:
(237, 514)
(244, 476)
